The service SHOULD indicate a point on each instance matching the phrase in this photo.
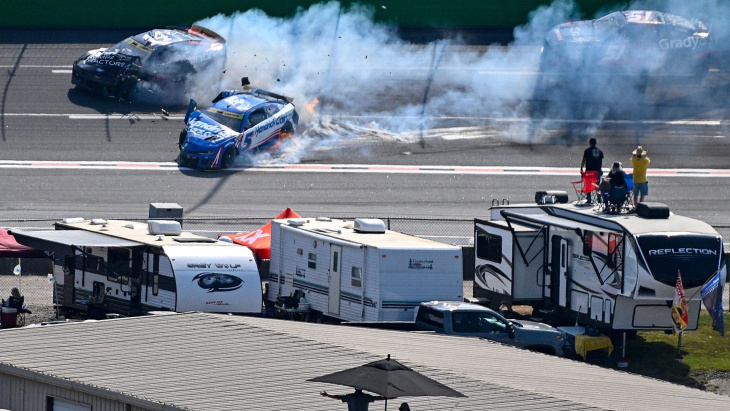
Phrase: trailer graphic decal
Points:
(215, 282)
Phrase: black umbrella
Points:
(390, 379)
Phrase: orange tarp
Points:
(259, 240)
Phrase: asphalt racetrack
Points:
(65, 153)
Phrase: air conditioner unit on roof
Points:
(164, 227)
(369, 225)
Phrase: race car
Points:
(165, 57)
(238, 122)
(630, 42)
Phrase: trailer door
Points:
(559, 271)
(335, 278)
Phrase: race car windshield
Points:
(225, 118)
(131, 47)
(609, 23)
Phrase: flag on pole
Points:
(680, 314)
(712, 299)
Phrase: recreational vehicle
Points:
(106, 267)
(576, 264)
(359, 271)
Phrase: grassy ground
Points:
(705, 363)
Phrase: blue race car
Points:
(238, 122)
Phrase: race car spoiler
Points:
(207, 32)
(252, 91)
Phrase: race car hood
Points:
(204, 132)
(107, 62)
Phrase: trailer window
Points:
(356, 277)
(489, 247)
(312, 261)
(431, 317)
(118, 269)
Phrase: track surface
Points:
(45, 119)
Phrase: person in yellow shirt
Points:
(640, 162)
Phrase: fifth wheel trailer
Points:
(575, 264)
(129, 268)
(358, 271)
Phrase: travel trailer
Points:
(576, 264)
(104, 267)
(357, 270)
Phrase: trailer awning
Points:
(64, 241)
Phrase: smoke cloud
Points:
(366, 81)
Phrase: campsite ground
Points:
(38, 293)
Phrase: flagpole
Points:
(679, 357)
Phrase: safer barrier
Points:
(160, 13)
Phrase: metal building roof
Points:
(218, 362)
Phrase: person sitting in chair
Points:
(15, 301)
(604, 190)
(616, 175)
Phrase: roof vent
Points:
(369, 225)
(164, 227)
(296, 223)
(135, 226)
(324, 219)
(73, 220)
(98, 221)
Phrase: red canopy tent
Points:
(259, 240)
(9, 248)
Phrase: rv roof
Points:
(343, 230)
(569, 213)
(124, 229)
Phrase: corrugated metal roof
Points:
(218, 362)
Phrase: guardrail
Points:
(160, 13)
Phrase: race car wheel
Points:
(228, 156)
(183, 136)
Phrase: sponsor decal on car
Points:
(687, 43)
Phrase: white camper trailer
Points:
(359, 271)
(616, 272)
(130, 268)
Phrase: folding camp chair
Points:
(629, 204)
(586, 185)
(617, 201)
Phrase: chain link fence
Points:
(38, 290)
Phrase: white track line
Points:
(352, 168)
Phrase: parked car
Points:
(165, 57)
(474, 320)
(238, 122)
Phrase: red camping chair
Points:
(586, 185)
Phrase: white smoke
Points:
(354, 67)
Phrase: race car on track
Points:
(165, 57)
(632, 42)
(238, 122)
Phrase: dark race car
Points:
(640, 43)
(239, 121)
(165, 57)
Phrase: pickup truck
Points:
(473, 320)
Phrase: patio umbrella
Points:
(390, 379)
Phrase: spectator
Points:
(357, 401)
(592, 161)
(604, 190)
(616, 175)
(640, 162)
